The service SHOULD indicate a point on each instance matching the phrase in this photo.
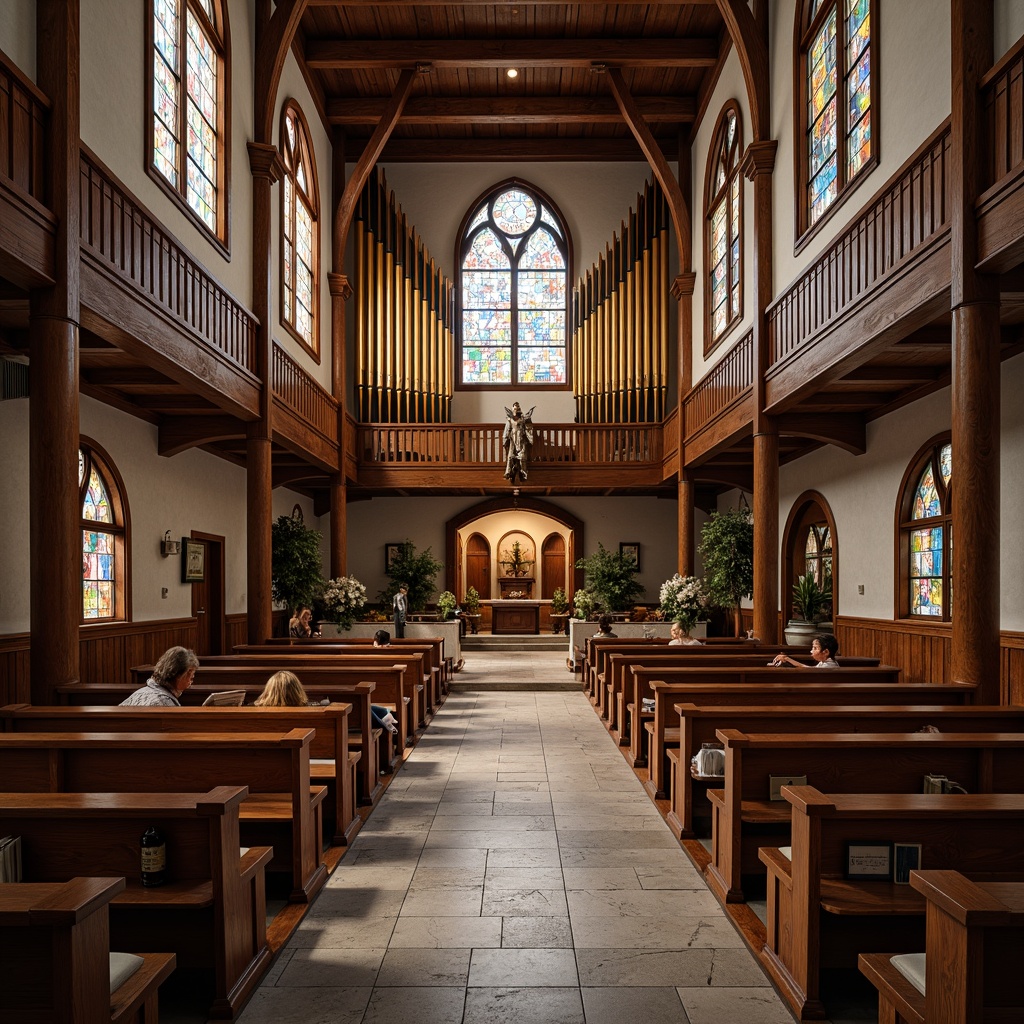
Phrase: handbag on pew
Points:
(710, 761)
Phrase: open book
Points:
(225, 699)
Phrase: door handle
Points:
(200, 611)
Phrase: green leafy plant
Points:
(471, 602)
(809, 600)
(515, 561)
(583, 604)
(727, 547)
(559, 602)
(446, 604)
(295, 568)
(612, 578)
(417, 570)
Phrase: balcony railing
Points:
(480, 444)
(303, 395)
(1002, 91)
(122, 233)
(23, 113)
(910, 211)
(727, 380)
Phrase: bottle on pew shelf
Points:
(154, 856)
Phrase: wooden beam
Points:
(491, 150)
(351, 54)
(512, 110)
(844, 430)
(502, 3)
(180, 434)
(885, 377)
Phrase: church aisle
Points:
(515, 870)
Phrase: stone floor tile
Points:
(536, 933)
(524, 902)
(524, 1006)
(423, 1005)
(332, 968)
(644, 968)
(642, 903)
(446, 933)
(452, 901)
(605, 1005)
(306, 1006)
(419, 966)
(523, 877)
(522, 968)
(714, 1005)
(500, 858)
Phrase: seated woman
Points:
(172, 676)
(824, 649)
(604, 627)
(299, 624)
(282, 690)
(681, 636)
(382, 717)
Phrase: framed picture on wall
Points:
(631, 549)
(193, 560)
(392, 552)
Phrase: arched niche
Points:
(810, 510)
(552, 565)
(478, 565)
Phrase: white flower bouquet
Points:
(683, 598)
(342, 596)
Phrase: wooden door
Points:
(478, 565)
(552, 566)
(208, 596)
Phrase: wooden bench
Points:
(661, 686)
(690, 813)
(333, 764)
(211, 911)
(974, 946)
(363, 736)
(818, 919)
(282, 809)
(55, 961)
(745, 817)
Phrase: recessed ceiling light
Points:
(512, 72)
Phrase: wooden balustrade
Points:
(1002, 95)
(303, 395)
(118, 230)
(728, 379)
(910, 210)
(23, 113)
(481, 444)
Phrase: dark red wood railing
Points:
(303, 395)
(1002, 92)
(23, 113)
(730, 378)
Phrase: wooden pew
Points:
(661, 686)
(819, 919)
(690, 814)
(212, 909)
(55, 957)
(891, 762)
(974, 946)
(333, 763)
(363, 736)
(282, 809)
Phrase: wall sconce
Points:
(169, 547)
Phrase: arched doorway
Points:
(809, 546)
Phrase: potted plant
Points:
(559, 602)
(683, 600)
(809, 603)
(727, 547)
(341, 598)
(612, 578)
(417, 571)
(515, 562)
(295, 566)
(583, 604)
(471, 602)
(446, 604)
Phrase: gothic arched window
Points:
(513, 291)
(104, 531)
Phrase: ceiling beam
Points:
(491, 3)
(179, 434)
(349, 54)
(844, 430)
(481, 150)
(512, 110)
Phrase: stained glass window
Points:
(723, 210)
(836, 56)
(927, 536)
(103, 546)
(299, 231)
(513, 291)
(187, 119)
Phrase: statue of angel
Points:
(517, 441)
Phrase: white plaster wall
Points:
(911, 55)
(18, 34)
(372, 524)
(113, 76)
(1008, 24)
(730, 86)
(293, 86)
(862, 492)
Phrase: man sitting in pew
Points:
(172, 676)
(824, 649)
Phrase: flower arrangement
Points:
(559, 602)
(446, 604)
(583, 604)
(683, 598)
(471, 602)
(341, 597)
(515, 561)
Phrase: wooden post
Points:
(55, 536)
(686, 531)
(341, 292)
(974, 655)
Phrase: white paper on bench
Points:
(911, 966)
(122, 967)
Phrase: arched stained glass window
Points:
(723, 215)
(926, 536)
(103, 537)
(300, 236)
(818, 555)
(834, 48)
(513, 273)
(187, 107)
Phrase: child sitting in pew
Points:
(824, 649)
(283, 690)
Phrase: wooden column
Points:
(265, 165)
(682, 292)
(974, 656)
(686, 531)
(55, 536)
(758, 165)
